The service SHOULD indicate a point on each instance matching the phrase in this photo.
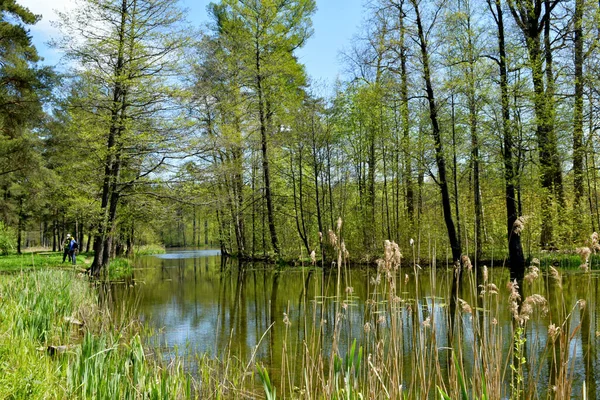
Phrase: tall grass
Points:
(497, 346)
(56, 341)
(59, 339)
(149, 249)
(119, 269)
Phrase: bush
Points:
(7, 239)
(119, 269)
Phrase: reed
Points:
(149, 249)
(59, 338)
(55, 342)
(498, 348)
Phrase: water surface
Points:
(198, 301)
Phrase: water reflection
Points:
(204, 303)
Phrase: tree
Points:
(220, 109)
(515, 249)
(533, 18)
(23, 88)
(126, 52)
(263, 36)
(578, 148)
(440, 159)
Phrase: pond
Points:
(200, 302)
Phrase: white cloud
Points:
(47, 9)
(43, 31)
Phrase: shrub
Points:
(7, 239)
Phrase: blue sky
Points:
(335, 22)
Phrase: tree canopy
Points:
(465, 126)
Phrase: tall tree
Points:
(265, 35)
(24, 85)
(220, 108)
(578, 149)
(440, 158)
(126, 51)
(533, 18)
(515, 249)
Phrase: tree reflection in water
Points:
(226, 307)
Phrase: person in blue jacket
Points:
(73, 250)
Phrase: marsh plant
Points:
(503, 339)
(58, 341)
(506, 340)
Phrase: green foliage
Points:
(149, 249)
(8, 242)
(348, 372)
(107, 362)
(461, 380)
(270, 390)
(517, 364)
(103, 368)
(119, 269)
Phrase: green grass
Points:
(149, 249)
(568, 261)
(102, 353)
(102, 358)
(29, 261)
(120, 269)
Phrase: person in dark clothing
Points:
(67, 248)
(73, 250)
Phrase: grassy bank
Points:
(56, 341)
(149, 249)
(43, 260)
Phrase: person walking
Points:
(73, 250)
(67, 248)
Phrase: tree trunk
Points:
(130, 238)
(578, 149)
(20, 226)
(89, 239)
(298, 210)
(101, 252)
(515, 249)
(442, 178)
(529, 18)
(54, 233)
(455, 169)
(80, 238)
(193, 227)
(264, 116)
(238, 194)
(206, 232)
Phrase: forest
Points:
(316, 239)
(465, 126)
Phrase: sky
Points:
(334, 23)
